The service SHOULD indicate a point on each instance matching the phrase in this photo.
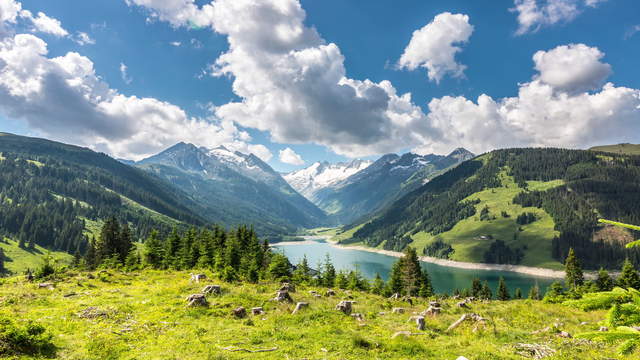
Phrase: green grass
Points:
(341, 235)
(465, 235)
(628, 149)
(146, 318)
(18, 260)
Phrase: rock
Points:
(330, 293)
(197, 300)
(462, 358)
(434, 304)
(288, 287)
(197, 277)
(584, 323)
(603, 328)
(432, 311)
(47, 285)
(212, 289)
(92, 312)
(240, 312)
(543, 330)
(382, 313)
(536, 351)
(345, 306)
(398, 310)
(283, 296)
(456, 297)
(300, 306)
(257, 311)
(313, 292)
(358, 316)
(317, 295)
(401, 333)
(564, 334)
(462, 304)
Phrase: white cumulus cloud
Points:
(434, 46)
(534, 14)
(288, 156)
(45, 24)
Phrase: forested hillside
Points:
(54, 195)
(456, 211)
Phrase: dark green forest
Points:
(596, 185)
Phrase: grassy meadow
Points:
(115, 315)
(17, 260)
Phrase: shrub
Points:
(29, 338)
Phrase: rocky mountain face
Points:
(235, 187)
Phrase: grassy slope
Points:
(18, 260)
(629, 149)
(147, 319)
(464, 236)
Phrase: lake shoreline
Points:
(527, 270)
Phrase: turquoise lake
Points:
(444, 278)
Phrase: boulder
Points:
(300, 306)
(330, 293)
(289, 287)
(197, 300)
(358, 316)
(462, 304)
(212, 289)
(564, 334)
(432, 311)
(603, 328)
(283, 296)
(240, 312)
(197, 277)
(345, 306)
(257, 311)
(398, 310)
(47, 285)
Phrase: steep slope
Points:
(235, 188)
(321, 175)
(50, 192)
(385, 180)
(518, 206)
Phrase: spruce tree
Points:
(280, 268)
(124, 242)
(91, 255)
(302, 274)
(172, 246)
(604, 282)
(2, 268)
(573, 270)
(153, 251)
(476, 287)
(518, 293)
(534, 292)
(486, 293)
(395, 279)
(503, 292)
(629, 277)
(341, 280)
(426, 288)
(411, 272)
(328, 272)
(378, 285)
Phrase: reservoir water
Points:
(444, 278)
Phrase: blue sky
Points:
(371, 37)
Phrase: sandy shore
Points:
(528, 270)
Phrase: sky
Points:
(299, 81)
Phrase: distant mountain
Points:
(53, 195)
(322, 175)
(377, 184)
(235, 188)
(517, 206)
(629, 149)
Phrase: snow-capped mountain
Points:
(322, 175)
(235, 187)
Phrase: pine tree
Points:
(394, 285)
(604, 282)
(124, 242)
(503, 292)
(153, 251)
(411, 272)
(476, 287)
(328, 272)
(426, 288)
(486, 293)
(172, 246)
(534, 292)
(91, 255)
(77, 258)
(518, 293)
(280, 267)
(573, 270)
(132, 261)
(109, 240)
(378, 285)
(302, 274)
(2, 268)
(629, 277)
(341, 280)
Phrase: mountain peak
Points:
(461, 154)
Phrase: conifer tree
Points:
(377, 287)
(302, 274)
(476, 287)
(341, 280)
(573, 270)
(629, 277)
(280, 267)
(109, 240)
(518, 293)
(503, 292)
(328, 272)
(91, 256)
(2, 268)
(426, 288)
(172, 246)
(124, 242)
(394, 285)
(534, 292)
(486, 293)
(77, 258)
(411, 272)
(153, 254)
(604, 282)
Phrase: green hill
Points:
(628, 149)
(113, 315)
(18, 260)
(517, 206)
(54, 195)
